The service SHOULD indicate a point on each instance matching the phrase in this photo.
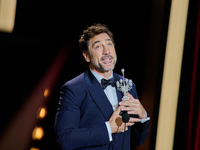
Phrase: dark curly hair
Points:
(89, 33)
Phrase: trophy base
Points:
(125, 97)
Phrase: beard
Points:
(99, 66)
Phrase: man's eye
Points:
(98, 47)
(110, 44)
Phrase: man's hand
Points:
(116, 123)
(133, 106)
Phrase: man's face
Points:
(102, 56)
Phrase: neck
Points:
(105, 74)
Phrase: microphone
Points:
(125, 117)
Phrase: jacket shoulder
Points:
(75, 81)
(74, 90)
(76, 86)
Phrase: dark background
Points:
(43, 28)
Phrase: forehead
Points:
(100, 38)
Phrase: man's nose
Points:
(106, 50)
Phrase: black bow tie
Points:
(105, 83)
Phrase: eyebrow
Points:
(100, 41)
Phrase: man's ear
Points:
(86, 56)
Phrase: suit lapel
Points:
(98, 95)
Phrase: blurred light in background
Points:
(34, 148)
(37, 133)
(46, 92)
(42, 112)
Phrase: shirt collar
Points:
(99, 77)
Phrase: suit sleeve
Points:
(139, 131)
(68, 133)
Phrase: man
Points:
(88, 111)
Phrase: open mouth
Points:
(107, 59)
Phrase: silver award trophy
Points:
(124, 85)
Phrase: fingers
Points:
(115, 115)
(132, 121)
(129, 95)
(116, 123)
(133, 106)
(130, 102)
(117, 111)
